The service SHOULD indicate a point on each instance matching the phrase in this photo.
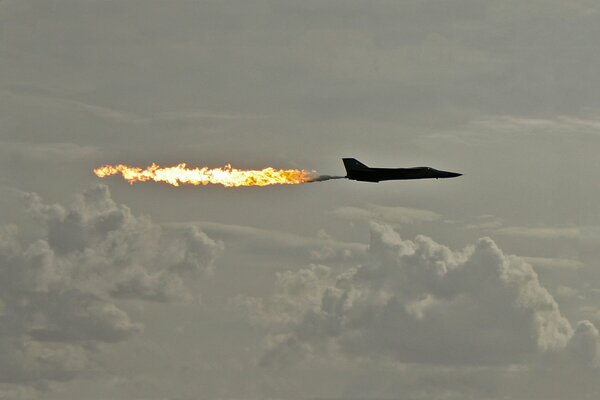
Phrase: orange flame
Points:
(226, 176)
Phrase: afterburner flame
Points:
(226, 176)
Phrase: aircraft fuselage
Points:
(359, 172)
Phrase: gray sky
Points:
(481, 287)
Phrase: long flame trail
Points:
(226, 176)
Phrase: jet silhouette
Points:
(358, 171)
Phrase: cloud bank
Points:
(420, 302)
(61, 286)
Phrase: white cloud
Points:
(297, 293)
(416, 302)
(58, 291)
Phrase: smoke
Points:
(323, 178)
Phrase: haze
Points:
(484, 286)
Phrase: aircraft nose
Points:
(451, 174)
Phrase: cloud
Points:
(297, 292)
(59, 286)
(540, 232)
(16, 392)
(27, 361)
(204, 114)
(585, 345)
(555, 126)
(399, 215)
(111, 242)
(494, 130)
(485, 222)
(46, 152)
(417, 302)
(566, 292)
(320, 247)
(548, 262)
(37, 96)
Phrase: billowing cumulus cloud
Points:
(420, 302)
(584, 346)
(59, 285)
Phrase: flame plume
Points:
(226, 176)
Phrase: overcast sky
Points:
(485, 286)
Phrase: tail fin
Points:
(352, 164)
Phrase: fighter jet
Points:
(358, 171)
